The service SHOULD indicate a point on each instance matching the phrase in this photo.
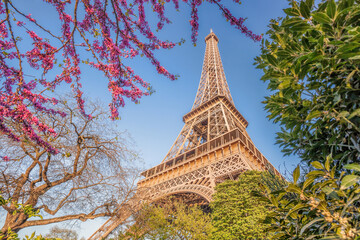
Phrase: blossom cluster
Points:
(106, 33)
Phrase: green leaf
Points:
(286, 83)
(354, 16)
(300, 27)
(321, 17)
(304, 10)
(350, 55)
(310, 3)
(281, 41)
(317, 165)
(292, 12)
(308, 181)
(293, 188)
(271, 59)
(327, 190)
(297, 207)
(355, 57)
(343, 114)
(349, 77)
(292, 21)
(348, 47)
(353, 166)
(310, 224)
(327, 163)
(331, 8)
(348, 181)
(313, 114)
(354, 113)
(296, 174)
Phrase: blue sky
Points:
(155, 123)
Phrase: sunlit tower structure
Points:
(212, 146)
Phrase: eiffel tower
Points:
(212, 146)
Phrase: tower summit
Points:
(212, 82)
(212, 146)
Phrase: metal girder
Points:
(212, 82)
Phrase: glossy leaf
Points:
(296, 174)
(306, 226)
(310, 3)
(331, 8)
(304, 10)
(313, 114)
(271, 59)
(321, 17)
(353, 166)
(292, 11)
(300, 27)
(349, 180)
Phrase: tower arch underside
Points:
(203, 192)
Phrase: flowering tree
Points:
(99, 33)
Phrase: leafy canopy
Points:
(173, 220)
(311, 63)
(236, 212)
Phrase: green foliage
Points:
(322, 207)
(311, 63)
(27, 209)
(236, 212)
(172, 220)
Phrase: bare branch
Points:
(93, 172)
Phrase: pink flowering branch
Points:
(105, 34)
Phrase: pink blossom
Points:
(106, 36)
(20, 23)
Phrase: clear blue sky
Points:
(155, 123)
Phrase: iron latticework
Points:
(203, 126)
(212, 146)
(212, 82)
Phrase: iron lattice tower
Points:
(212, 146)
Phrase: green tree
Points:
(172, 220)
(236, 212)
(310, 63)
(323, 206)
(62, 233)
